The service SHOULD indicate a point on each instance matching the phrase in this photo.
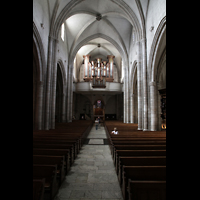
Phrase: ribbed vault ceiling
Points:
(116, 24)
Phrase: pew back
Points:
(142, 173)
(38, 189)
(151, 190)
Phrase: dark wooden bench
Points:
(38, 189)
(151, 190)
(60, 142)
(141, 173)
(61, 139)
(56, 152)
(131, 153)
(136, 147)
(57, 146)
(49, 172)
(131, 142)
(125, 138)
(52, 160)
(139, 161)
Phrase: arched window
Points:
(62, 32)
(99, 104)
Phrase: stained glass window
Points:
(99, 104)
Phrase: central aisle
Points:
(93, 175)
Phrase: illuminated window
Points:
(122, 70)
(62, 31)
(133, 37)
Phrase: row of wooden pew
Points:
(54, 152)
(140, 161)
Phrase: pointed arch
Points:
(98, 35)
(158, 38)
(61, 88)
(157, 53)
(63, 72)
(133, 93)
(38, 80)
(133, 77)
(38, 51)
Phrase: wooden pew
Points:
(130, 153)
(57, 146)
(139, 161)
(52, 160)
(130, 130)
(59, 142)
(55, 152)
(151, 190)
(38, 189)
(136, 147)
(126, 137)
(61, 139)
(132, 142)
(49, 172)
(142, 173)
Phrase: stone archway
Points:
(37, 90)
(156, 60)
(35, 78)
(59, 95)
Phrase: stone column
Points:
(48, 84)
(131, 107)
(144, 79)
(54, 80)
(139, 83)
(127, 95)
(63, 107)
(38, 106)
(153, 103)
(70, 94)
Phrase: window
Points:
(133, 37)
(99, 104)
(62, 32)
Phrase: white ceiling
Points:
(83, 24)
(113, 32)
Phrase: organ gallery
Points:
(97, 71)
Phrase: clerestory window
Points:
(62, 32)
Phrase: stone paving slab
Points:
(96, 141)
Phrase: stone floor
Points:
(92, 176)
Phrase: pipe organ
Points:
(98, 71)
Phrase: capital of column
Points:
(143, 40)
(53, 38)
(40, 83)
(138, 42)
